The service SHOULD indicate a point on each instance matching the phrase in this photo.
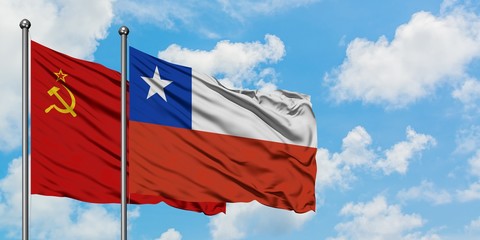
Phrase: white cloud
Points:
(165, 13)
(357, 152)
(242, 9)
(336, 168)
(197, 16)
(473, 226)
(70, 26)
(425, 191)
(243, 68)
(468, 139)
(170, 234)
(420, 236)
(448, 5)
(468, 94)
(470, 194)
(378, 220)
(333, 171)
(73, 221)
(411, 66)
(398, 157)
(471, 231)
(134, 213)
(252, 218)
(53, 217)
(11, 196)
(73, 27)
(474, 163)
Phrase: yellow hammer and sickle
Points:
(68, 108)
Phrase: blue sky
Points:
(394, 86)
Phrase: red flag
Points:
(192, 139)
(75, 132)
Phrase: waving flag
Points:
(76, 132)
(192, 139)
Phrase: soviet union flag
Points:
(75, 132)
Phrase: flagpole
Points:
(25, 26)
(123, 31)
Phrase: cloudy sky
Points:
(395, 87)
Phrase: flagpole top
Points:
(25, 24)
(123, 30)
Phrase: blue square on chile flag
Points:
(169, 103)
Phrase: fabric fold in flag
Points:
(193, 139)
(75, 132)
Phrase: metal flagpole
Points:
(123, 31)
(25, 26)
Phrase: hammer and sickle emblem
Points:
(68, 108)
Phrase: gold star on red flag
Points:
(60, 75)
